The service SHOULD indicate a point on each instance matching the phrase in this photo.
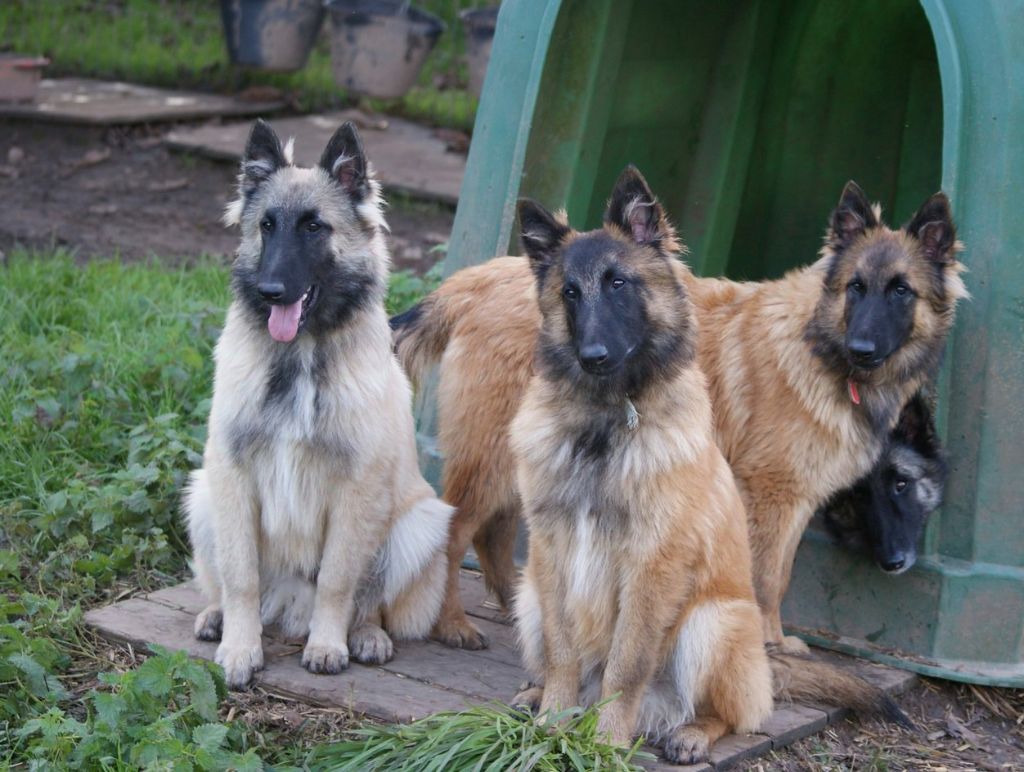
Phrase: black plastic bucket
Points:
(271, 34)
(378, 46)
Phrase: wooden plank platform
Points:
(406, 156)
(110, 103)
(425, 677)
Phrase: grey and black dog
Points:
(885, 512)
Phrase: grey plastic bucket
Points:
(271, 34)
(378, 46)
(479, 24)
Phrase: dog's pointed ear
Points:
(851, 217)
(541, 233)
(634, 209)
(345, 161)
(263, 155)
(916, 427)
(933, 227)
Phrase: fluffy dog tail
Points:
(799, 677)
(414, 563)
(421, 334)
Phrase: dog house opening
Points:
(748, 118)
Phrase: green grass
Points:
(104, 394)
(491, 738)
(179, 43)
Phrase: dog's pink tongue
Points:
(284, 321)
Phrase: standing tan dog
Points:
(638, 584)
(807, 377)
(310, 508)
(808, 374)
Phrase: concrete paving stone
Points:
(734, 748)
(111, 103)
(406, 156)
(790, 723)
(425, 677)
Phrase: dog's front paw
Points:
(529, 698)
(790, 644)
(239, 663)
(687, 745)
(614, 729)
(325, 659)
(209, 623)
(370, 645)
(459, 634)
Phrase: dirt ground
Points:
(104, 193)
(958, 727)
(119, 192)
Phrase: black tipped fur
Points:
(421, 334)
(851, 217)
(804, 678)
(540, 233)
(345, 160)
(407, 319)
(262, 157)
(263, 147)
(634, 209)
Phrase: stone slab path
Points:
(425, 677)
(112, 103)
(407, 157)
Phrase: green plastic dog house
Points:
(747, 117)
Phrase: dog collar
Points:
(854, 394)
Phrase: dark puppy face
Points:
(888, 295)
(614, 314)
(307, 261)
(885, 513)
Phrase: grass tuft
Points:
(486, 738)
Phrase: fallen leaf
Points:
(956, 728)
(43, 418)
(92, 157)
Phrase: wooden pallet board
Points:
(425, 677)
(113, 103)
(407, 157)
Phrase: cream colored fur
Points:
(314, 515)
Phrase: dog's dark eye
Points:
(617, 283)
(901, 289)
(900, 485)
(312, 226)
(570, 293)
(857, 286)
(267, 224)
